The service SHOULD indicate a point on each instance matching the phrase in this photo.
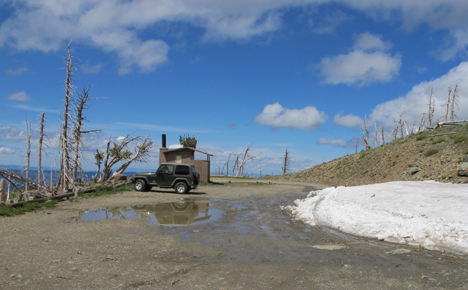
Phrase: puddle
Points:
(180, 213)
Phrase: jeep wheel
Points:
(140, 185)
(181, 188)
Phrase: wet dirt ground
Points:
(218, 237)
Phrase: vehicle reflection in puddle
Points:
(180, 213)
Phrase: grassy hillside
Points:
(420, 156)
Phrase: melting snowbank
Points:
(421, 213)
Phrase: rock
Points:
(463, 169)
(119, 177)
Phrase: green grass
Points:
(117, 190)
(421, 137)
(440, 140)
(363, 154)
(7, 210)
(459, 139)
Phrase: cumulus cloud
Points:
(349, 120)
(17, 72)
(19, 97)
(367, 63)
(414, 104)
(11, 134)
(368, 42)
(333, 142)
(5, 150)
(117, 26)
(308, 118)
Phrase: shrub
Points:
(431, 152)
(440, 140)
(458, 139)
(422, 137)
(363, 154)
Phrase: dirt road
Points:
(219, 237)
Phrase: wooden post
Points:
(2, 190)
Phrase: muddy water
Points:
(253, 235)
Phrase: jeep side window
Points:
(182, 170)
(165, 168)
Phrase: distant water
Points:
(53, 176)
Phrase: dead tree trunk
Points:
(39, 157)
(447, 105)
(454, 102)
(141, 154)
(382, 140)
(365, 135)
(246, 157)
(286, 162)
(375, 137)
(65, 181)
(430, 114)
(28, 151)
(395, 132)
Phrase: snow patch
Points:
(427, 214)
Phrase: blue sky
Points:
(292, 74)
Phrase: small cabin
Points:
(186, 155)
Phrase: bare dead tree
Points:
(78, 119)
(447, 105)
(236, 164)
(365, 135)
(430, 114)
(400, 122)
(39, 157)
(227, 165)
(65, 180)
(246, 157)
(382, 140)
(286, 162)
(118, 151)
(395, 132)
(141, 154)
(28, 150)
(454, 103)
(375, 137)
(98, 157)
(406, 128)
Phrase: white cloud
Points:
(368, 42)
(19, 97)
(415, 103)
(349, 120)
(4, 150)
(17, 72)
(308, 118)
(366, 64)
(116, 26)
(333, 142)
(11, 134)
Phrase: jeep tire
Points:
(140, 185)
(181, 188)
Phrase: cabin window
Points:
(178, 159)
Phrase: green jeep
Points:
(182, 177)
